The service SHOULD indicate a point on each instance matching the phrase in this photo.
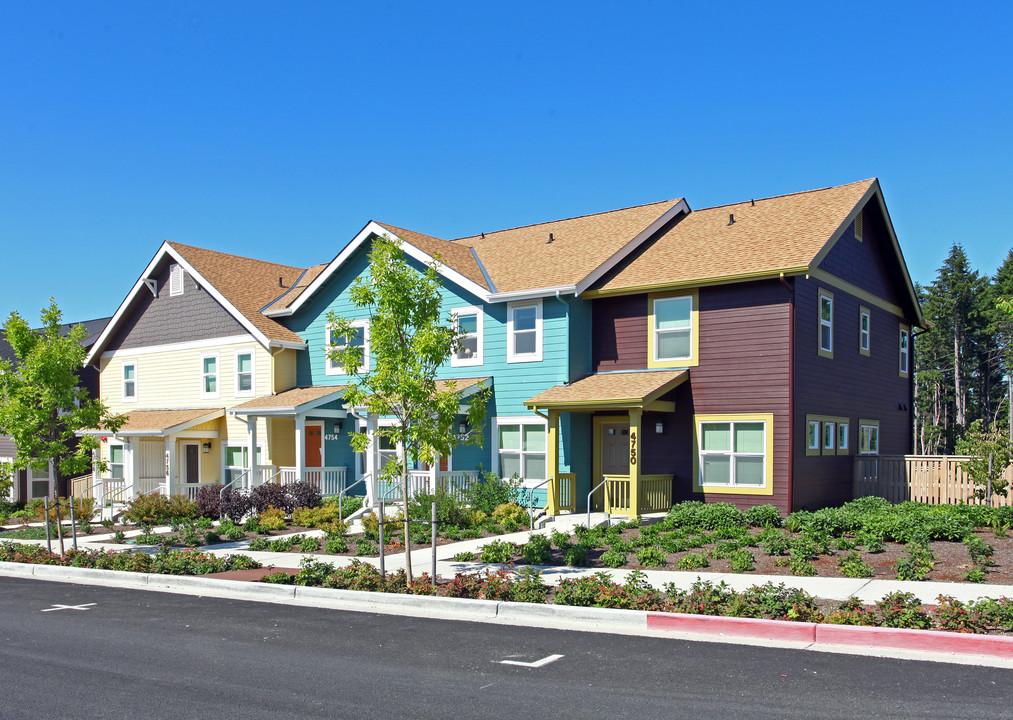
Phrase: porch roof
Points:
(159, 423)
(463, 386)
(290, 402)
(629, 390)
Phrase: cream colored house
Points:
(189, 359)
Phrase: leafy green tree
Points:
(409, 340)
(41, 401)
(990, 450)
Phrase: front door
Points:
(615, 453)
(314, 446)
(191, 464)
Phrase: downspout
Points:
(791, 393)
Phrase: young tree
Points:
(41, 402)
(409, 340)
(990, 450)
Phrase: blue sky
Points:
(278, 130)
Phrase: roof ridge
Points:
(784, 195)
(178, 245)
(575, 217)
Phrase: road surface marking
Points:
(68, 607)
(536, 664)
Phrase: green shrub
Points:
(742, 561)
(696, 514)
(449, 511)
(336, 545)
(692, 561)
(916, 564)
(537, 550)
(575, 555)
(464, 557)
(309, 544)
(159, 509)
(974, 575)
(498, 551)
(765, 516)
(801, 566)
(510, 513)
(613, 558)
(853, 566)
(652, 557)
(979, 550)
(852, 612)
(491, 491)
(278, 578)
(258, 544)
(776, 543)
(272, 518)
(365, 546)
(903, 610)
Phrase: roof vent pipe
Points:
(752, 203)
(280, 283)
(731, 218)
(550, 239)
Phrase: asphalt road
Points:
(136, 654)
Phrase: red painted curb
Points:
(732, 626)
(925, 640)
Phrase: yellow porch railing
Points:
(565, 488)
(655, 494)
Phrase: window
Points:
(673, 324)
(209, 375)
(116, 462)
(829, 436)
(864, 324)
(386, 452)
(826, 305)
(468, 321)
(524, 331)
(812, 437)
(858, 226)
(175, 280)
(130, 381)
(244, 373)
(40, 482)
(236, 458)
(905, 354)
(733, 454)
(359, 339)
(521, 447)
(868, 437)
(842, 438)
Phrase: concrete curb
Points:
(811, 635)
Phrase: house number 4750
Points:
(633, 447)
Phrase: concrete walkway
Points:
(868, 591)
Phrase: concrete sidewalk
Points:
(867, 590)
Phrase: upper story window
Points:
(175, 280)
(905, 352)
(359, 339)
(209, 375)
(130, 381)
(468, 321)
(524, 331)
(864, 330)
(674, 330)
(826, 318)
(244, 373)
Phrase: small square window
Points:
(130, 381)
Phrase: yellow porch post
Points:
(552, 458)
(635, 418)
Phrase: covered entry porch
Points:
(618, 402)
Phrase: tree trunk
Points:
(959, 391)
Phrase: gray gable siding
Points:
(194, 315)
(7, 447)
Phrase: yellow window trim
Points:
(694, 359)
(768, 488)
(822, 419)
(824, 293)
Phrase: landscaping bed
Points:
(867, 538)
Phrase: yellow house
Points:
(188, 349)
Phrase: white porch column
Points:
(371, 449)
(170, 463)
(99, 492)
(433, 474)
(300, 446)
(251, 455)
(130, 472)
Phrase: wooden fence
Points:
(932, 479)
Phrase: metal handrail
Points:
(221, 493)
(607, 504)
(531, 495)
(364, 478)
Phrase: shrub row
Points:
(166, 562)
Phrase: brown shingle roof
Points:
(460, 384)
(157, 422)
(301, 284)
(523, 259)
(246, 283)
(290, 398)
(632, 389)
(775, 234)
(456, 257)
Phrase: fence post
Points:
(434, 545)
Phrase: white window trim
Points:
(863, 426)
(479, 352)
(123, 381)
(825, 351)
(519, 420)
(225, 467)
(122, 463)
(864, 335)
(828, 441)
(177, 279)
(656, 332)
(904, 351)
(253, 373)
(843, 438)
(812, 442)
(204, 375)
(701, 453)
(535, 356)
(339, 370)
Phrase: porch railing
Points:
(566, 489)
(655, 494)
(327, 480)
(454, 482)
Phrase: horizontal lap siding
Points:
(868, 264)
(744, 360)
(848, 385)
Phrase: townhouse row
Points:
(743, 353)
